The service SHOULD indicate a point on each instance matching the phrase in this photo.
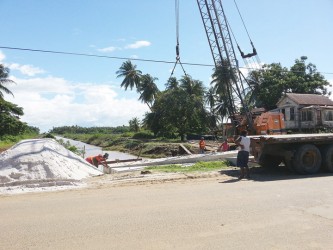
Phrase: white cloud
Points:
(135, 45)
(2, 56)
(138, 44)
(28, 70)
(42, 85)
(52, 102)
(109, 49)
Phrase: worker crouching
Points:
(98, 159)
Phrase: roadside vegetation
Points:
(185, 107)
(6, 141)
(197, 167)
(141, 144)
(12, 129)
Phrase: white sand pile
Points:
(32, 165)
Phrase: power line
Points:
(125, 58)
(101, 56)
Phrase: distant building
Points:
(306, 111)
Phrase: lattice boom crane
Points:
(222, 49)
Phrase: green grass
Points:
(197, 167)
(8, 141)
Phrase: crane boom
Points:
(217, 31)
(222, 49)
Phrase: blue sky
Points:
(57, 90)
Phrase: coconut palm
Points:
(131, 75)
(192, 87)
(134, 124)
(148, 89)
(210, 97)
(222, 84)
(172, 83)
(4, 73)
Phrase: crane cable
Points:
(177, 38)
(248, 35)
(254, 52)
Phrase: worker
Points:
(202, 145)
(224, 146)
(98, 159)
(243, 154)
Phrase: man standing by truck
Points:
(243, 142)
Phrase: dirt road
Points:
(275, 211)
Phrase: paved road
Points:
(272, 211)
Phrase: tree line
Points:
(10, 123)
(185, 106)
(91, 130)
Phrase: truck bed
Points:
(292, 138)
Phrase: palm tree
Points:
(192, 87)
(221, 108)
(210, 97)
(134, 124)
(172, 83)
(131, 75)
(148, 89)
(252, 92)
(4, 73)
(222, 84)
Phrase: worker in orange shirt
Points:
(202, 145)
(98, 159)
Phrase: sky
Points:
(63, 90)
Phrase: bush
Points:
(95, 139)
(48, 135)
(132, 144)
(70, 147)
(10, 138)
(144, 135)
(127, 134)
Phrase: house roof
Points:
(308, 99)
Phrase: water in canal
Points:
(91, 150)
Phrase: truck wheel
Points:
(307, 159)
(327, 155)
(270, 161)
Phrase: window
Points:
(328, 115)
(292, 114)
(306, 115)
(283, 111)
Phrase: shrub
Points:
(127, 134)
(143, 135)
(132, 144)
(48, 135)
